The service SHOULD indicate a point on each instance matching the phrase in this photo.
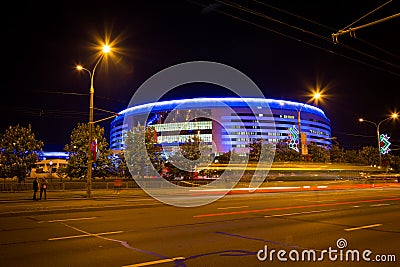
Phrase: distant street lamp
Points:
(316, 96)
(377, 125)
(105, 50)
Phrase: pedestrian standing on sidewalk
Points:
(43, 188)
(35, 188)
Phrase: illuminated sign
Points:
(293, 138)
(384, 144)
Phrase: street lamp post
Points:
(106, 49)
(299, 126)
(316, 96)
(377, 125)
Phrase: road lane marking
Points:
(298, 213)
(123, 243)
(238, 207)
(242, 212)
(85, 235)
(66, 220)
(379, 205)
(363, 227)
(154, 262)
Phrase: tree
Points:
(193, 153)
(118, 166)
(19, 151)
(142, 152)
(351, 156)
(153, 149)
(260, 151)
(394, 162)
(255, 149)
(369, 155)
(336, 154)
(284, 153)
(229, 157)
(318, 153)
(78, 153)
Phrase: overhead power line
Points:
(330, 28)
(242, 8)
(352, 31)
(79, 94)
(369, 13)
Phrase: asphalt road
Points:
(309, 228)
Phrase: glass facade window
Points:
(183, 126)
(168, 139)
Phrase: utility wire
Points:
(310, 44)
(104, 110)
(326, 27)
(80, 94)
(245, 9)
(353, 30)
(61, 93)
(356, 135)
(366, 15)
(295, 15)
(55, 113)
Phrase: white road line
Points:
(297, 213)
(154, 262)
(363, 227)
(86, 235)
(238, 207)
(66, 220)
(379, 205)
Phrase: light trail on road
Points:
(295, 207)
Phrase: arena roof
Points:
(221, 102)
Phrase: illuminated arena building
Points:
(227, 123)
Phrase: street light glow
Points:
(106, 49)
(316, 95)
(318, 92)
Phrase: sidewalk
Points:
(272, 186)
(70, 201)
(22, 204)
(72, 194)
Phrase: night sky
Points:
(285, 47)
